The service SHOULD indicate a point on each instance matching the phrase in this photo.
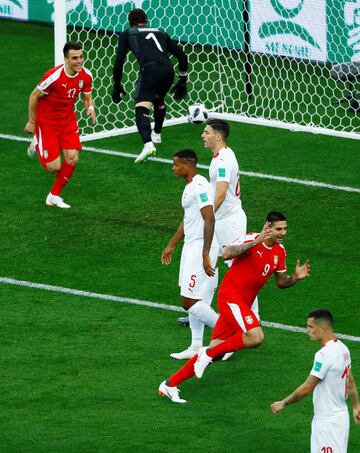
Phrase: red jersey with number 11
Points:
(251, 270)
(61, 92)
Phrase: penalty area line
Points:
(250, 174)
(146, 303)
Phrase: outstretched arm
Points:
(283, 280)
(305, 389)
(167, 253)
(233, 250)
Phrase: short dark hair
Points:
(220, 126)
(71, 45)
(187, 154)
(274, 216)
(323, 315)
(137, 16)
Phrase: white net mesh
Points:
(303, 64)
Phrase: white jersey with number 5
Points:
(196, 195)
(224, 167)
(332, 365)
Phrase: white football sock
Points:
(204, 313)
(197, 332)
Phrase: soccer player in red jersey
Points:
(256, 258)
(52, 118)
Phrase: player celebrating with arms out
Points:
(256, 258)
(52, 118)
(156, 75)
(331, 381)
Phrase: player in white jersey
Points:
(331, 381)
(199, 253)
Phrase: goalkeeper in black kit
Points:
(151, 47)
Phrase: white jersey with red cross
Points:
(225, 168)
(332, 365)
(61, 92)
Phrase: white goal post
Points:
(292, 64)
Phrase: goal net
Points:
(286, 63)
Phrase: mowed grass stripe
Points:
(252, 174)
(146, 303)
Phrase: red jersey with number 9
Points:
(250, 271)
(58, 106)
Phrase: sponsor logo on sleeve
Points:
(204, 197)
(249, 319)
(222, 172)
(318, 366)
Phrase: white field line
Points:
(303, 182)
(146, 303)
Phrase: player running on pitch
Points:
(52, 118)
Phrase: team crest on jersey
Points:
(276, 259)
(249, 319)
(81, 84)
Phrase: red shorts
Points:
(51, 138)
(235, 316)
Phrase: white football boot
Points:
(148, 150)
(55, 200)
(201, 363)
(186, 354)
(156, 138)
(170, 392)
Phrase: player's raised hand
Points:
(209, 270)
(166, 255)
(277, 407)
(302, 271)
(29, 127)
(117, 93)
(265, 232)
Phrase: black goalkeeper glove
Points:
(179, 90)
(117, 93)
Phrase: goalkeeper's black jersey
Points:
(148, 45)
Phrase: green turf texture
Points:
(81, 375)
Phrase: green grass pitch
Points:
(81, 374)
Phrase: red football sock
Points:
(62, 178)
(232, 344)
(186, 372)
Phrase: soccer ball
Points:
(197, 114)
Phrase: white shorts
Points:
(193, 280)
(330, 435)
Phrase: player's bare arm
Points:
(33, 105)
(233, 250)
(209, 223)
(220, 194)
(354, 398)
(167, 253)
(89, 106)
(283, 280)
(301, 392)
